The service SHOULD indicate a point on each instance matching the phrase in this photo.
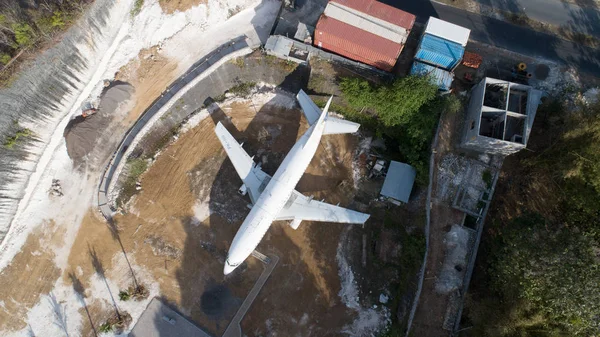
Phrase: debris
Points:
(591, 96)
(472, 60)
(56, 189)
(383, 298)
(457, 242)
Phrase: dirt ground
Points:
(184, 252)
(171, 241)
(30, 275)
(431, 310)
(150, 74)
(171, 6)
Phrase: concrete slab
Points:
(158, 320)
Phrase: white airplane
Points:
(275, 198)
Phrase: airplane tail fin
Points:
(314, 115)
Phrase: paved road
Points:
(582, 19)
(507, 36)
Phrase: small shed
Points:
(440, 77)
(399, 182)
(447, 31)
(439, 52)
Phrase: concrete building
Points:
(500, 116)
(367, 31)
(398, 182)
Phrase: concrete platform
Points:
(158, 320)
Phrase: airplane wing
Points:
(300, 208)
(255, 180)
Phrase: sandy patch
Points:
(171, 6)
(30, 275)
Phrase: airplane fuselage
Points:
(274, 197)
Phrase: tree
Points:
(395, 104)
(547, 260)
(406, 113)
(555, 270)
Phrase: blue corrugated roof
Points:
(439, 52)
(399, 181)
(443, 79)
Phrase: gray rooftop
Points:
(158, 320)
(399, 181)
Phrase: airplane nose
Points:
(227, 269)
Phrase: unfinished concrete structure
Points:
(500, 116)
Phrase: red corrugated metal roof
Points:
(356, 43)
(381, 11)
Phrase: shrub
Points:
(242, 89)
(105, 328)
(23, 34)
(58, 19)
(5, 58)
(124, 295)
(137, 7)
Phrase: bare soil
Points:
(172, 6)
(431, 310)
(169, 243)
(30, 276)
(150, 74)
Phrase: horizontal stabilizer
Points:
(334, 126)
(301, 208)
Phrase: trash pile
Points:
(56, 189)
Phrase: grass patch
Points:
(239, 62)
(11, 141)
(242, 89)
(136, 167)
(137, 7)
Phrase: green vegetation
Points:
(11, 141)
(543, 266)
(25, 26)
(239, 61)
(137, 7)
(4, 59)
(405, 112)
(411, 256)
(105, 328)
(487, 178)
(24, 34)
(124, 295)
(242, 89)
(136, 167)
(285, 65)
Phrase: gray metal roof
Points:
(399, 181)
